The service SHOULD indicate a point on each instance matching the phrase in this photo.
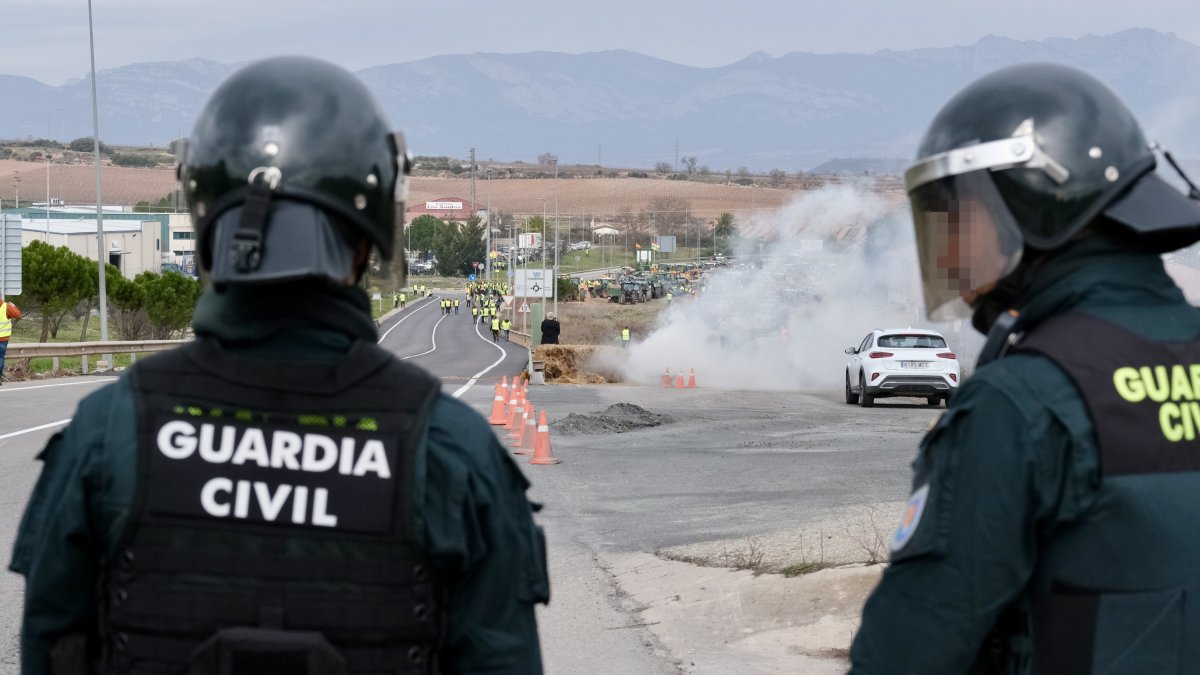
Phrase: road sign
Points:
(471, 277)
(577, 259)
(476, 264)
(10, 255)
(524, 308)
(532, 284)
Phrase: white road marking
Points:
(406, 316)
(33, 429)
(106, 380)
(475, 378)
(435, 326)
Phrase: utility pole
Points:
(676, 167)
(48, 133)
(473, 181)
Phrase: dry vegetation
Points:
(76, 183)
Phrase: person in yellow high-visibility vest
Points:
(625, 337)
(403, 299)
(506, 326)
(9, 314)
(495, 329)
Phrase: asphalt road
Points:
(732, 464)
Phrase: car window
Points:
(866, 343)
(911, 341)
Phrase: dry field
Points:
(600, 196)
(76, 183)
(591, 196)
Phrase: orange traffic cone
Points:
(504, 382)
(692, 379)
(529, 438)
(515, 421)
(518, 432)
(542, 452)
(498, 402)
(666, 379)
(679, 382)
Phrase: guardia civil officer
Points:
(282, 495)
(1052, 523)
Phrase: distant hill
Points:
(863, 166)
(792, 112)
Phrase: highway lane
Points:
(31, 412)
(451, 347)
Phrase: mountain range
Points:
(621, 108)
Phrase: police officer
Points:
(1051, 524)
(281, 495)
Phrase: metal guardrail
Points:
(33, 350)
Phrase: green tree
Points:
(54, 281)
(127, 305)
(534, 224)
(86, 144)
(458, 246)
(724, 229)
(422, 231)
(170, 302)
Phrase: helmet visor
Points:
(967, 240)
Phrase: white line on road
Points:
(33, 429)
(475, 378)
(106, 380)
(406, 316)
(439, 321)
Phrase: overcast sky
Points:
(47, 39)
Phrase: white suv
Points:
(901, 362)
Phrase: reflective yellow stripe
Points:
(5, 322)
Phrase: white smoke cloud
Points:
(784, 325)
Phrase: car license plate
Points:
(914, 364)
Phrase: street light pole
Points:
(556, 238)
(99, 207)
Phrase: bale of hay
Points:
(572, 364)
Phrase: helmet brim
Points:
(1152, 206)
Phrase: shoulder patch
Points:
(912, 518)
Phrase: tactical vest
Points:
(1116, 591)
(273, 530)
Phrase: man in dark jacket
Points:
(1050, 527)
(281, 495)
(550, 329)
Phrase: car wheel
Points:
(850, 396)
(934, 401)
(864, 399)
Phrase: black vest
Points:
(1117, 591)
(273, 528)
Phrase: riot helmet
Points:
(291, 164)
(1022, 161)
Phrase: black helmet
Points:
(291, 161)
(1029, 156)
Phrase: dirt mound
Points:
(574, 364)
(618, 418)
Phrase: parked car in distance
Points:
(901, 362)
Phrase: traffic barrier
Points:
(529, 437)
(692, 379)
(498, 402)
(666, 378)
(542, 452)
(679, 383)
